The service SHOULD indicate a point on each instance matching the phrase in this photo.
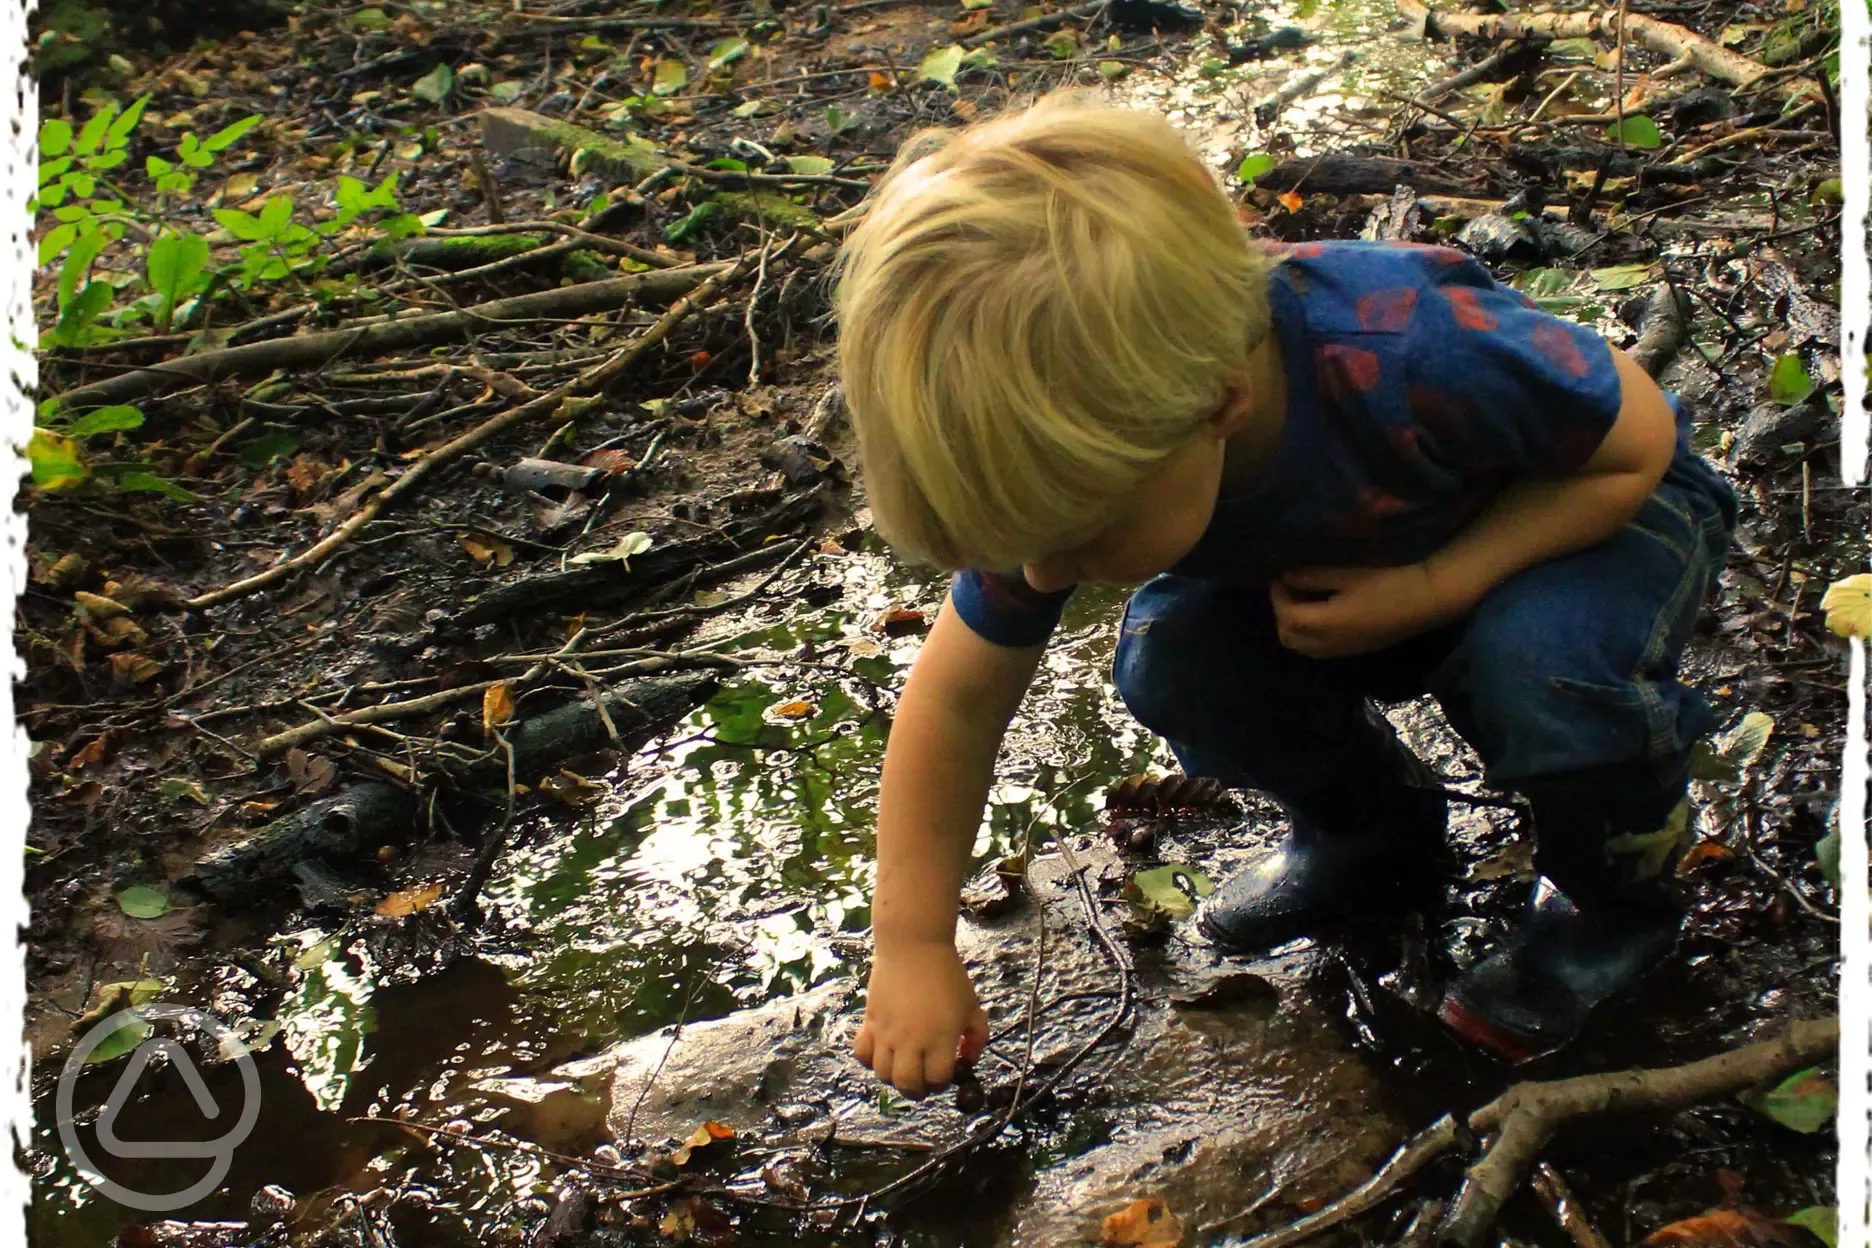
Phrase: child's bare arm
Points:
(956, 705)
(1333, 612)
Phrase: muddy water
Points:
(730, 862)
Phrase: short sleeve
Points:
(1498, 386)
(1006, 610)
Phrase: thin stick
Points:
(1418, 1151)
(587, 382)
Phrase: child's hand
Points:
(920, 1008)
(1330, 613)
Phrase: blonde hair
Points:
(1033, 313)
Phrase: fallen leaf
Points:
(1702, 852)
(134, 669)
(1142, 1224)
(1725, 1228)
(140, 901)
(880, 82)
(571, 788)
(1822, 1220)
(703, 1136)
(407, 901)
(1230, 990)
(1848, 606)
(497, 707)
(899, 622)
(940, 65)
(98, 607)
(1171, 889)
(178, 788)
(621, 552)
(93, 751)
(800, 709)
(485, 549)
(303, 473)
(1290, 200)
(1805, 1101)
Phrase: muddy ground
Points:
(364, 810)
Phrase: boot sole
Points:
(1503, 1043)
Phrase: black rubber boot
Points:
(1603, 915)
(1371, 844)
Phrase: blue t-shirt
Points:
(1417, 387)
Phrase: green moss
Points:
(767, 208)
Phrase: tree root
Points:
(1519, 1123)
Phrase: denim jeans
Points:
(1568, 668)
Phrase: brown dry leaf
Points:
(258, 808)
(965, 109)
(1727, 1228)
(609, 460)
(880, 82)
(1290, 200)
(135, 669)
(115, 634)
(484, 548)
(497, 707)
(98, 607)
(571, 788)
(137, 591)
(407, 901)
(703, 1136)
(801, 709)
(1702, 852)
(304, 472)
(830, 546)
(93, 751)
(1142, 1224)
(62, 571)
(319, 774)
(678, 1224)
(900, 622)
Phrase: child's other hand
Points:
(920, 1010)
(1331, 613)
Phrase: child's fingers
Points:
(863, 1044)
(938, 1068)
(975, 1035)
(906, 1071)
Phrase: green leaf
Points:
(51, 169)
(435, 85)
(941, 65)
(1112, 71)
(77, 265)
(55, 136)
(263, 450)
(402, 225)
(1638, 131)
(506, 91)
(94, 130)
(371, 19)
(727, 164)
(74, 323)
(1621, 276)
(1822, 1220)
(1253, 167)
(55, 240)
(1171, 888)
(140, 901)
(1805, 1101)
(177, 271)
(109, 160)
(242, 225)
(156, 166)
(1827, 854)
(123, 1040)
(670, 77)
(691, 221)
(836, 119)
(727, 52)
(140, 482)
(228, 135)
(113, 419)
(811, 166)
(1789, 383)
(121, 129)
(179, 788)
(56, 463)
(276, 215)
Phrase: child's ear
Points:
(1232, 417)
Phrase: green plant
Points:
(56, 452)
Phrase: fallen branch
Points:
(1512, 57)
(1272, 105)
(384, 335)
(1526, 1116)
(587, 382)
(1033, 25)
(1665, 38)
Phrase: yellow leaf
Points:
(1848, 606)
(497, 707)
(1290, 200)
(571, 788)
(409, 900)
(483, 549)
(794, 710)
(98, 607)
(1142, 1224)
(134, 669)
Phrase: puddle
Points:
(730, 862)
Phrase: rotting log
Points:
(369, 814)
(1338, 174)
(333, 828)
(384, 335)
(516, 131)
(1665, 38)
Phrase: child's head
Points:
(1034, 313)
